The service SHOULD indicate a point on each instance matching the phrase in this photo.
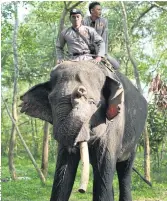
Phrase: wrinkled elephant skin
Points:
(84, 102)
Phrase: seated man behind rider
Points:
(78, 48)
(100, 24)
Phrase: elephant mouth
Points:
(91, 132)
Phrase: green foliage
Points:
(7, 10)
(48, 12)
(157, 127)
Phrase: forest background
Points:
(137, 38)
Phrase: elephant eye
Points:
(91, 101)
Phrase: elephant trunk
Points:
(70, 120)
(83, 136)
(79, 97)
(73, 128)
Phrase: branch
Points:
(141, 16)
(158, 6)
(24, 144)
(127, 43)
(145, 180)
(76, 4)
(66, 5)
(23, 123)
(158, 61)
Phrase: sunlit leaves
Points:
(7, 10)
(48, 12)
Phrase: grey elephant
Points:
(85, 102)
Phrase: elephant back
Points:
(135, 113)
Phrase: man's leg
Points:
(113, 62)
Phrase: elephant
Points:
(85, 101)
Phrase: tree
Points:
(14, 104)
(24, 144)
(157, 117)
(45, 149)
(136, 74)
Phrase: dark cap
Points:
(75, 11)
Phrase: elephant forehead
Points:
(72, 68)
(93, 79)
(90, 75)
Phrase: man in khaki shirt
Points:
(78, 49)
(100, 24)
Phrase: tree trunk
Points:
(24, 143)
(44, 165)
(127, 42)
(14, 103)
(34, 139)
(146, 155)
(62, 19)
(36, 135)
(136, 74)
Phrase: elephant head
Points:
(76, 96)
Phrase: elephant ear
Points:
(114, 94)
(35, 102)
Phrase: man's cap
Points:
(75, 11)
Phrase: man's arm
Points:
(98, 40)
(105, 35)
(60, 43)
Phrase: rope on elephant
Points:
(107, 64)
(104, 63)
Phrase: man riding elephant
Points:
(100, 24)
(78, 39)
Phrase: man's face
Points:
(96, 11)
(76, 19)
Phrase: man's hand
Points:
(98, 59)
(60, 61)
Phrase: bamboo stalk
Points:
(85, 167)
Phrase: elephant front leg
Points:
(124, 171)
(66, 168)
(103, 171)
